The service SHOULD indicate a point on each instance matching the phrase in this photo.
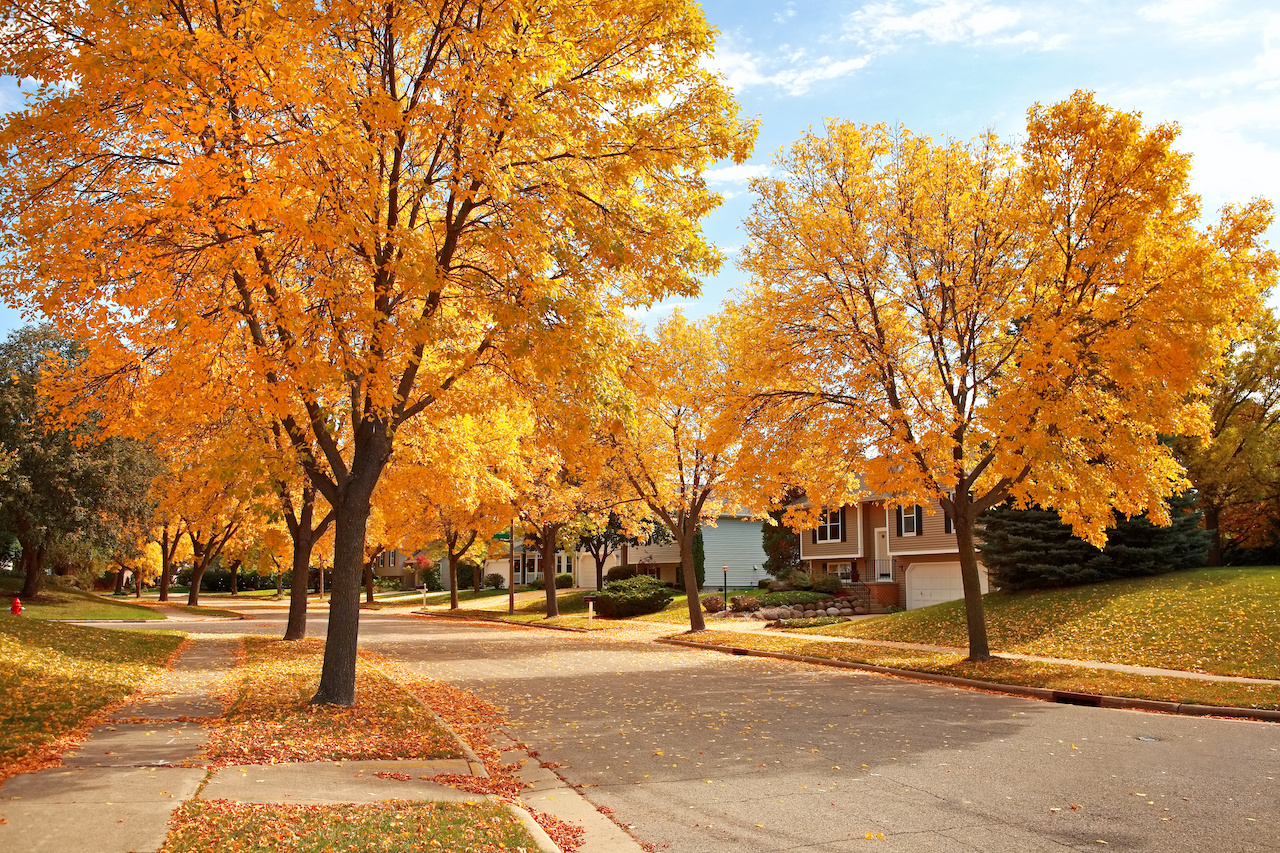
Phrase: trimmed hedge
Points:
(564, 581)
(633, 597)
(791, 596)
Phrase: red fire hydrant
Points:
(16, 607)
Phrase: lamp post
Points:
(725, 569)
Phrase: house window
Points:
(831, 526)
(911, 520)
(564, 564)
(844, 571)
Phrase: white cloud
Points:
(738, 173)
(1180, 11)
(786, 14)
(935, 20)
(790, 70)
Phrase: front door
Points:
(883, 567)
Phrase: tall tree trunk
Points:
(137, 583)
(199, 562)
(166, 565)
(689, 575)
(304, 537)
(33, 555)
(119, 584)
(1212, 522)
(548, 534)
(368, 582)
(296, 629)
(351, 521)
(451, 568)
(975, 615)
(600, 570)
(235, 576)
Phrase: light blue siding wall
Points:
(734, 543)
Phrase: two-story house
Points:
(904, 555)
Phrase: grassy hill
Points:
(1223, 621)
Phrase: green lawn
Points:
(60, 602)
(54, 676)
(1223, 621)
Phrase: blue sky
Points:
(956, 67)
(952, 68)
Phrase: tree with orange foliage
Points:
(363, 203)
(678, 453)
(968, 323)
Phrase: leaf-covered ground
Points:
(60, 602)
(1006, 671)
(270, 721)
(218, 826)
(56, 679)
(1221, 621)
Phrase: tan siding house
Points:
(893, 555)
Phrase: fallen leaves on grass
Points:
(59, 681)
(218, 826)
(270, 720)
(1222, 621)
(998, 670)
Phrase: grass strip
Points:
(68, 603)
(218, 826)
(58, 679)
(1221, 621)
(270, 721)
(1005, 671)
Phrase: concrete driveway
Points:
(707, 752)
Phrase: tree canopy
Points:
(967, 323)
(347, 208)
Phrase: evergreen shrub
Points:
(790, 596)
(619, 573)
(564, 581)
(632, 596)
(1033, 549)
(493, 580)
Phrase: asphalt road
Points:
(707, 752)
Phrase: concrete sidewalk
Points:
(116, 792)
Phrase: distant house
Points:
(904, 555)
(734, 542)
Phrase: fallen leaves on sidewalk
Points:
(59, 681)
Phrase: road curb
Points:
(489, 620)
(1062, 697)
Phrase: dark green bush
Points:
(494, 581)
(431, 579)
(764, 584)
(813, 622)
(829, 584)
(564, 581)
(619, 573)
(633, 596)
(790, 596)
(712, 603)
(799, 580)
(536, 583)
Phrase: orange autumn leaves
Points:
(270, 720)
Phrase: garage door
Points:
(934, 583)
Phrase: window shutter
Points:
(919, 520)
(947, 517)
(843, 527)
(899, 521)
(813, 536)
